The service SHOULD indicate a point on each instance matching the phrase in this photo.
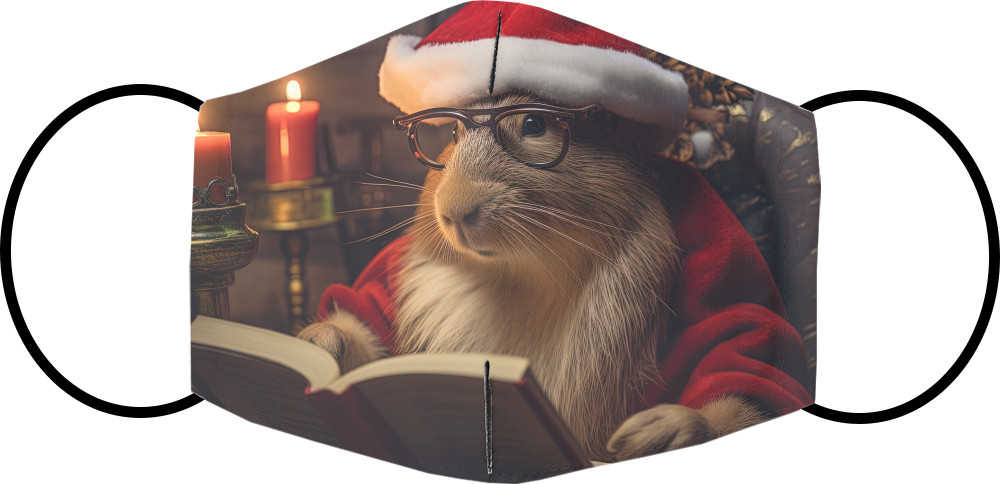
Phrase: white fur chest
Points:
(441, 308)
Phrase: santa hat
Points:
(496, 47)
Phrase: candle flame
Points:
(293, 92)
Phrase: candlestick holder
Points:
(221, 243)
(291, 208)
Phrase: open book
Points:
(426, 411)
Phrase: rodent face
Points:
(487, 206)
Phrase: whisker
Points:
(645, 285)
(429, 223)
(571, 239)
(386, 231)
(535, 256)
(390, 229)
(509, 244)
(440, 246)
(411, 185)
(585, 219)
(578, 224)
(525, 231)
(423, 231)
(385, 208)
(392, 185)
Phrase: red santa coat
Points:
(729, 334)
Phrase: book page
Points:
(261, 375)
(306, 359)
(439, 420)
(258, 390)
(505, 368)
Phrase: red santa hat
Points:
(496, 47)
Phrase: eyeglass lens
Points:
(533, 138)
(433, 135)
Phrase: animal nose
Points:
(467, 217)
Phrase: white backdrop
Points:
(902, 266)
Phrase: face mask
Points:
(587, 278)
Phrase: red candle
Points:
(213, 159)
(290, 144)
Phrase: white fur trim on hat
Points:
(455, 74)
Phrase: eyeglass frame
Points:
(565, 116)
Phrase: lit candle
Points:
(213, 159)
(290, 145)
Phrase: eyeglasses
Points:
(536, 134)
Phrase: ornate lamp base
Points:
(291, 208)
(221, 243)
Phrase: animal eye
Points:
(454, 132)
(533, 126)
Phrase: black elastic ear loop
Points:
(5, 233)
(994, 266)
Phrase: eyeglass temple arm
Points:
(587, 111)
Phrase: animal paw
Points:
(351, 342)
(659, 429)
(326, 335)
